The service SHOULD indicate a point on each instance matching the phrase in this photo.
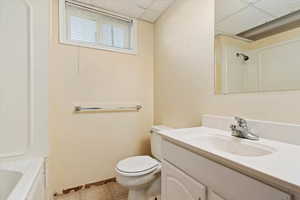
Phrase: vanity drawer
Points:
(229, 184)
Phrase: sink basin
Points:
(234, 146)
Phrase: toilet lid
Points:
(137, 165)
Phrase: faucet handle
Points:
(233, 127)
(241, 122)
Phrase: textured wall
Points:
(85, 147)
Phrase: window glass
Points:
(119, 37)
(107, 34)
(96, 28)
(83, 29)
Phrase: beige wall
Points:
(184, 73)
(85, 147)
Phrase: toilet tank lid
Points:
(156, 129)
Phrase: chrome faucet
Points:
(241, 130)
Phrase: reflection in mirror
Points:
(257, 45)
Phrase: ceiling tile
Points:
(218, 32)
(279, 8)
(243, 20)
(160, 5)
(132, 12)
(134, 8)
(144, 3)
(150, 15)
(225, 8)
(251, 1)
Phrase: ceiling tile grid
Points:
(226, 8)
(279, 8)
(149, 10)
(236, 16)
(143, 3)
(243, 20)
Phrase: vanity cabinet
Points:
(178, 186)
(190, 176)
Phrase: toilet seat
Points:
(137, 166)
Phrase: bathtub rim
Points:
(29, 176)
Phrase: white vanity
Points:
(209, 164)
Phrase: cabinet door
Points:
(176, 185)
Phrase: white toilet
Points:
(141, 174)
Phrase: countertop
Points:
(280, 168)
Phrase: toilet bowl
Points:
(141, 174)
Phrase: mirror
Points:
(257, 45)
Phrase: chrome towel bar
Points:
(107, 108)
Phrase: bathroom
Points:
(149, 100)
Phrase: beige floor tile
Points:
(118, 192)
(71, 196)
(96, 193)
(110, 191)
(125, 198)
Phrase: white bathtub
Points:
(18, 177)
(8, 181)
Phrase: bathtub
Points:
(18, 179)
(8, 181)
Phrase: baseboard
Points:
(85, 186)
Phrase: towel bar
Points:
(107, 108)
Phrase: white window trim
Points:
(63, 32)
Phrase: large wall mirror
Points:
(257, 45)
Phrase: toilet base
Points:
(146, 192)
(137, 195)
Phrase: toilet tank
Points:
(156, 141)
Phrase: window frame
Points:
(63, 30)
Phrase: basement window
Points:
(89, 26)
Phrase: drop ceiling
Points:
(236, 16)
(149, 10)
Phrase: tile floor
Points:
(110, 191)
